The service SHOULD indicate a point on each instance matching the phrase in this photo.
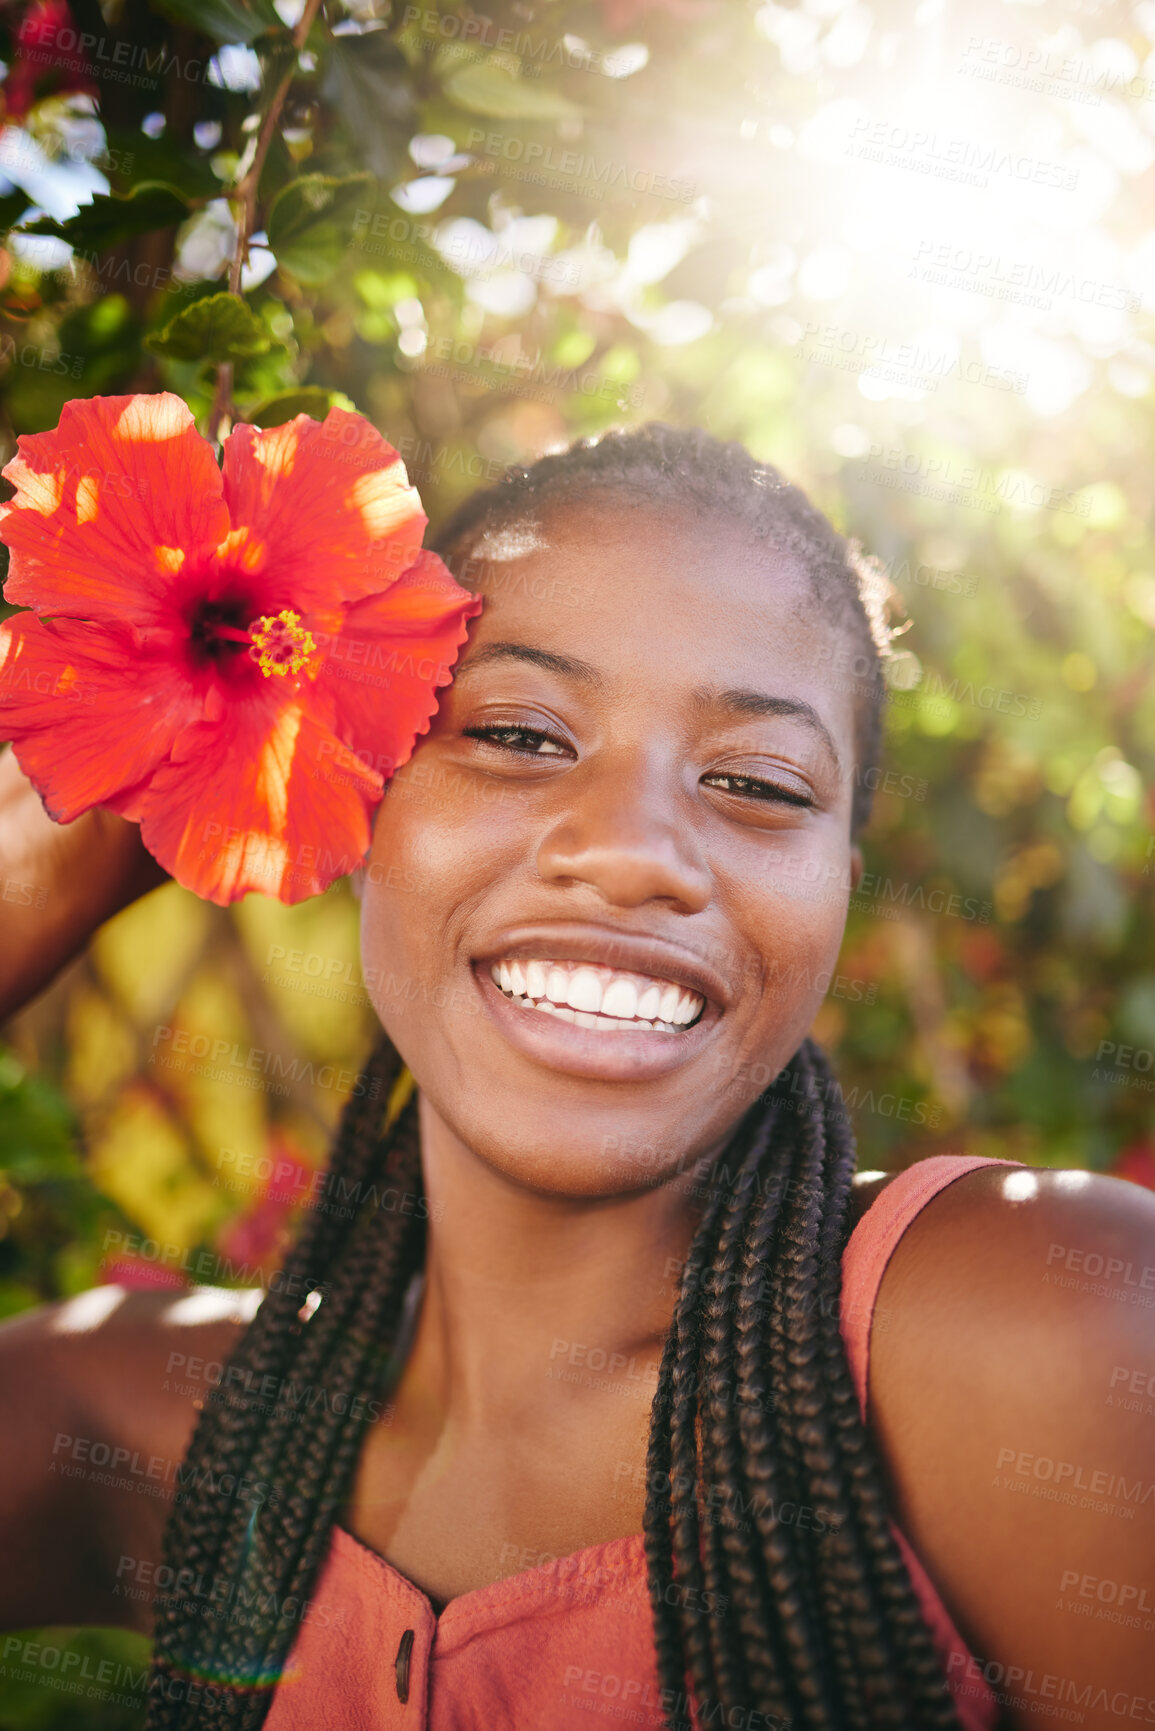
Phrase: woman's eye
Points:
(526, 741)
(750, 787)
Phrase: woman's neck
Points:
(519, 1286)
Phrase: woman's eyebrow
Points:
(567, 665)
(744, 703)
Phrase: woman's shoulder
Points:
(121, 1354)
(99, 1395)
(1012, 1393)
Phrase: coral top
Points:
(546, 1649)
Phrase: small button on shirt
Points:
(539, 1649)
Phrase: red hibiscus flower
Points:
(1137, 1162)
(261, 1232)
(46, 56)
(237, 659)
(620, 15)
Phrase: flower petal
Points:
(323, 509)
(381, 673)
(109, 507)
(267, 800)
(89, 715)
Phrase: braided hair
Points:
(813, 1623)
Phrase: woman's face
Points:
(636, 795)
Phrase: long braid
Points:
(297, 1395)
(775, 1578)
(835, 1639)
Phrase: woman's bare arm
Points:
(1013, 1394)
(98, 1399)
(58, 883)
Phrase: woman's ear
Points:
(856, 864)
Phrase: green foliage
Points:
(368, 86)
(224, 20)
(308, 400)
(494, 87)
(111, 219)
(219, 328)
(312, 220)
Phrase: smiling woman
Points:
(630, 1399)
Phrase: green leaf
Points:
(110, 219)
(219, 328)
(367, 82)
(224, 20)
(492, 87)
(312, 400)
(311, 222)
(12, 208)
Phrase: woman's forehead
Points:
(598, 563)
(660, 598)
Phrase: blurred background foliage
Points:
(906, 254)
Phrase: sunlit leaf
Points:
(491, 87)
(312, 400)
(111, 219)
(312, 222)
(224, 20)
(222, 327)
(369, 85)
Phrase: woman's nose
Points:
(625, 833)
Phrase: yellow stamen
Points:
(281, 644)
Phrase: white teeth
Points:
(585, 990)
(535, 980)
(597, 997)
(620, 999)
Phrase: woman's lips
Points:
(613, 1054)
